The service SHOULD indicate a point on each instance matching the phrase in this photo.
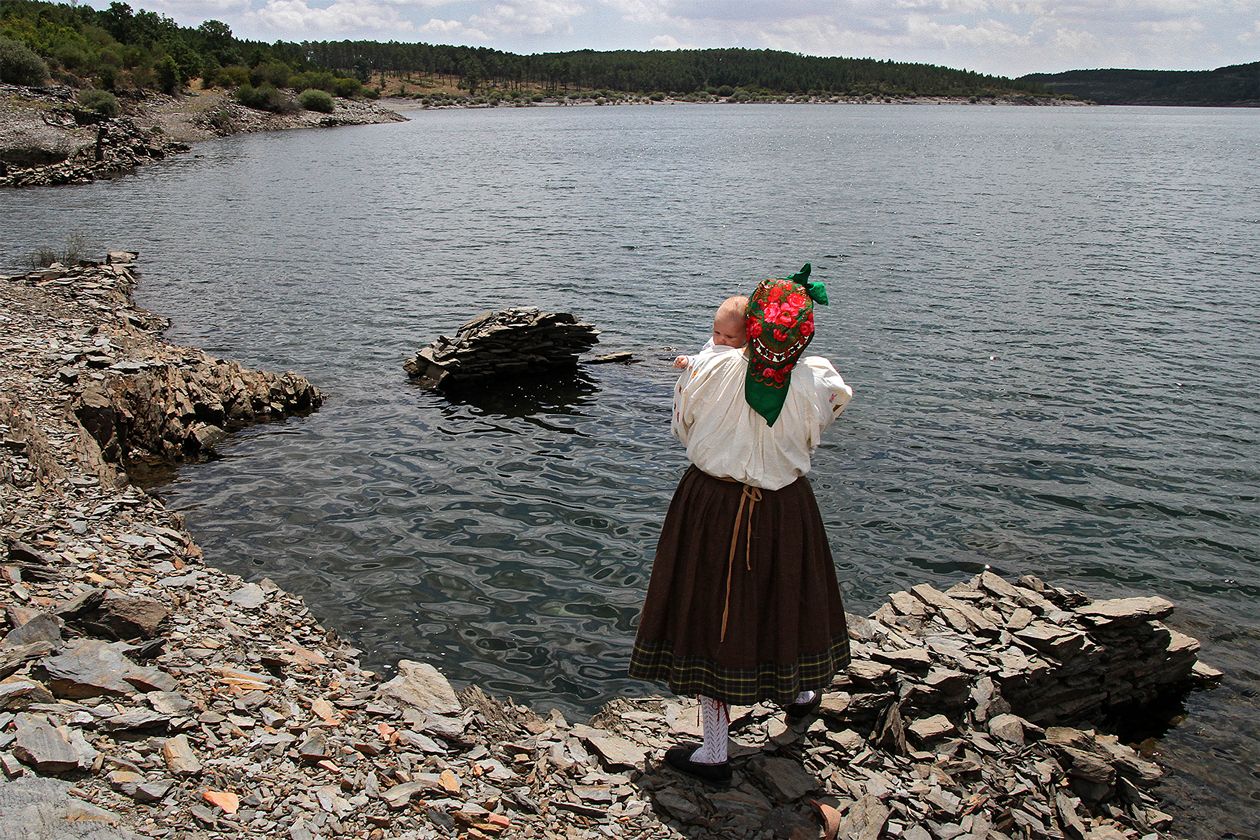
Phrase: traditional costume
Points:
(743, 604)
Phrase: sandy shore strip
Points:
(144, 692)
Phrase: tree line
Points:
(124, 48)
(1236, 85)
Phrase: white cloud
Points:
(669, 42)
(342, 18)
(1184, 26)
(925, 31)
(1252, 36)
(529, 17)
(453, 30)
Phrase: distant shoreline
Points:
(404, 103)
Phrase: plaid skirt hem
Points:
(778, 683)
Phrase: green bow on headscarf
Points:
(815, 289)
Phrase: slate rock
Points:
(43, 746)
(421, 686)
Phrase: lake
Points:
(1050, 316)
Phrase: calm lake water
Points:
(1051, 318)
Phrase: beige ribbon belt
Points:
(749, 498)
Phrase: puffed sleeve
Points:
(830, 396)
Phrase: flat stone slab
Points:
(41, 745)
(617, 752)
(423, 687)
(1124, 612)
(92, 668)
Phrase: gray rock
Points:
(41, 628)
(250, 596)
(865, 820)
(19, 693)
(93, 668)
(785, 778)
(421, 686)
(617, 752)
(44, 747)
(179, 756)
(1125, 612)
(931, 728)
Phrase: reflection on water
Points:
(1049, 316)
(560, 393)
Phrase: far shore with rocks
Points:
(144, 692)
(46, 139)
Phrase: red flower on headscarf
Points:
(772, 313)
(776, 292)
(796, 300)
(787, 317)
(753, 328)
(807, 327)
(780, 335)
(768, 373)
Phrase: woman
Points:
(743, 604)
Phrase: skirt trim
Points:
(691, 675)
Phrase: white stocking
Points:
(717, 723)
(805, 697)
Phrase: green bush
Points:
(725, 90)
(318, 79)
(313, 99)
(101, 101)
(168, 75)
(272, 73)
(265, 97)
(232, 76)
(346, 87)
(372, 93)
(657, 97)
(19, 65)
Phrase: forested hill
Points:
(1238, 85)
(126, 48)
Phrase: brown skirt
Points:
(741, 619)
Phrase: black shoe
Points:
(797, 712)
(680, 759)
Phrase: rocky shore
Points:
(47, 140)
(145, 693)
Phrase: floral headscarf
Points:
(780, 323)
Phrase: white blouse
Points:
(726, 438)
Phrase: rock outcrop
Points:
(509, 343)
(136, 398)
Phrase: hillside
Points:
(1238, 85)
(122, 49)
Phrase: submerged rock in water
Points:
(509, 343)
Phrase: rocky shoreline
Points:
(144, 692)
(46, 140)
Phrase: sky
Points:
(1002, 37)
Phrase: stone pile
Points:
(120, 146)
(509, 343)
(135, 397)
(184, 702)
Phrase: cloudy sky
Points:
(1006, 37)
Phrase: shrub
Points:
(168, 75)
(725, 90)
(318, 79)
(19, 65)
(234, 75)
(71, 56)
(265, 97)
(372, 93)
(657, 97)
(272, 73)
(346, 87)
(101, 101)
(313, 99)
(75, 247)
